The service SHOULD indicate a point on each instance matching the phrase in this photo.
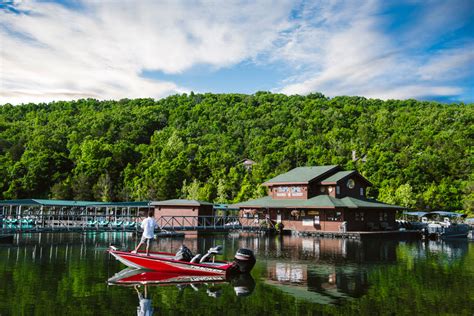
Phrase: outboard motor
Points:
(244, 260)
(183, 254)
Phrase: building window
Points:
(359, 216)
(361, 191)
(333, 216)
(350, 184)
(295, 189)
(338, 190)
(383, 216)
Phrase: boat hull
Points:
(443, 231)
(164, 262)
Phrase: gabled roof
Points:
(319, 201)
(302, 175)
(335, 178)
(180, 202)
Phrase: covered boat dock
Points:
(59, 215)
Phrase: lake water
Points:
(67, 274)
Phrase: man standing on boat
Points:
(148, 225)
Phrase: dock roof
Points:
(180, 202)
(70, 203)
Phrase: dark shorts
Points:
(146, 241)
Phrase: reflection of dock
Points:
(406, 234)
(6, 239)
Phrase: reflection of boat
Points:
(243, 283)
(185, 263)
(130, 276)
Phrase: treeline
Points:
(417, 154)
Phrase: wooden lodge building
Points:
(320, 198)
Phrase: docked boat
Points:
(185, 263)
(440, 224)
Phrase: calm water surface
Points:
(66, 274)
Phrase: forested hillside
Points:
(417, 154)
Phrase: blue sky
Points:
(65, 50)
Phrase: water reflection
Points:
(326, 249)
(329, 271)
(243, 284)
(145, 307)
(293, 275)
(322, 283)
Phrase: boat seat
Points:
(184, 254)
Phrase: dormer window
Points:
(338, 190)
(322, 189)
(361, 191)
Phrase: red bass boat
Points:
(185, 263)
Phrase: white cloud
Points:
(100, 50)
(346, 52)
(449, 64)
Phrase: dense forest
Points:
(416, 154)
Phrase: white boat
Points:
(440, 224)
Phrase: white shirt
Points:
(148, 226)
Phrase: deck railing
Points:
(128, 223)
(199, 222)
(69, 223)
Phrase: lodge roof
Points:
(338, 176)
(319, 201)
(302, 175)
(180, 202)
